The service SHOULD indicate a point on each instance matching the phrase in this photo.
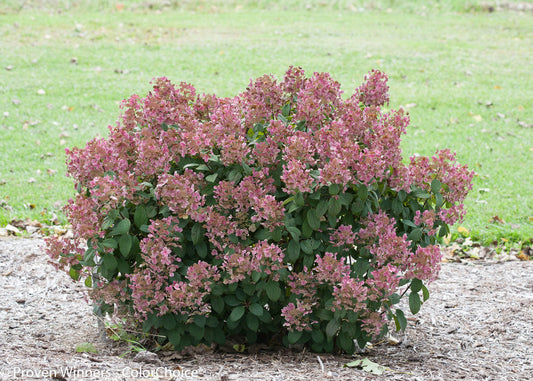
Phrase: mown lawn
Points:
(465, 77)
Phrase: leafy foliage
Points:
(285, 212)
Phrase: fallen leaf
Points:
(119, 6)
(41, 92)
(497, 87)
(86, 348)
(525, 125)
(239, 348)
(367, 366)
(6, 114)
(523, 257)
(31, 180)
(496, 220)
(9, 67)
(51, 172)
(477, 118)
(12, 230)
(463, 231)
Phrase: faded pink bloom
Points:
(380, 236)
(343, 236)
(296, 177)
(425, 263)
(374, 91)
(297, 316)
(329, 269)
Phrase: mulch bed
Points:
(477, 325)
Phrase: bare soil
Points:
(477, 325)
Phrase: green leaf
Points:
(439, 200)
(402, 195)
(88, 281)
(425, 293)
(256, 309)
(218, 305)
(256, 275)
(307, 231)
(400, 320)
(236, 314)
(312, 219)
(334, 207)
(415, 235)
(168, 321)
(201, 249)
(409, 223)
(109, 262)
(346, 198)
(110, 242)
(294, 336)
(211, 178)
(273, 291)
(294, 232)
(139, 217)
(123, 266)
(397, 206)
(414, 302)
(332, 327)
(197, 233)
(435, 186)
(346, 343)
(317, 336)
(334, 189)
(299, 199)
(321, 208)
(252, 322)
(122, 227)
(74, 274)
(286, 110)
(151, 211)
(362, 192)
(125, 243)
(307, 246)
(199, 320)
(416, 285)
(196, 331)
(107, 222)
(293, 250)
(231, 300)
(262, 234)
(420, 193)
(175, 338)
(367, 366)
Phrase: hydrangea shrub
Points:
(285, 213)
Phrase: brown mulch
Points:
(477, 325)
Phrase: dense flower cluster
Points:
(287, 207)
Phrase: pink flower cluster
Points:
(374, 91)
(263, 258)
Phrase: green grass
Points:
(461, 69)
